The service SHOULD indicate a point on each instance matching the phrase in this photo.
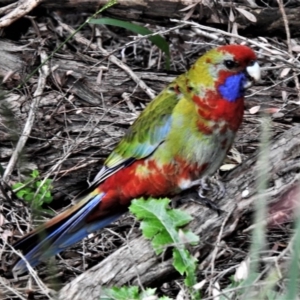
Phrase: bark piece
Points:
(269, 20)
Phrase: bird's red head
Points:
(242, 54)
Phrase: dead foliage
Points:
(65, 120)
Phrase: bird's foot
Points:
(212, 188)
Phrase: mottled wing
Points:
(144, 136)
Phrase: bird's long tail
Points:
(60, 232)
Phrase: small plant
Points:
(162, 225)
(33, 190)
(156, 39)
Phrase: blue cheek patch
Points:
(233, 88)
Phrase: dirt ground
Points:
(95, 86)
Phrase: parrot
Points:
(181, 136)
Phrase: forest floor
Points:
(88, 101)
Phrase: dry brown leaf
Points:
(247, 14)
(296, 48)
(6, 234)
(263, 39)
(2, 220)
(188, 7)
(242, 271)
(216, 291)
(253, 110)
(284, 96)
(234, 28)
(227, 167)
(231, 16)
(236, 155)
(284, 72)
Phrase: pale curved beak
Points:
(253, 74)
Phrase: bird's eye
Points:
(230, 64)
(251, 63)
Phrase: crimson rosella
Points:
(181, 136)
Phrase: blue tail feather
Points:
(68, 233)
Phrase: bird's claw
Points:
(212, 187)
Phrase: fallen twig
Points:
(80, 39)
(20, 11)
(44, 72)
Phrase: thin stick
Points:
(289, 44)
(216, 249)
(278, 53)
(18, 12)
(44, 72)
(80, 39)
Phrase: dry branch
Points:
(80, 118)
(44, 72)
(269, 20)
(138, 259)
(21, 10)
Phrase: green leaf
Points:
(157, 40)
(35, 174)
(161, 224)
(28, 197)
(38, 184)
(123, 293)
(21, 194)
(27, 190)
(48, 182)
(127, 293)
(185, 263)
(48, 199)
(147, 293)
(17, 185)
(191, 237)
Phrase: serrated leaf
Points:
(179, 261)
(161, 224)
(160, 242)
(150, 229)
(123, 293)
(187, 264)
(180, 217)
(189, 237)
(157, 40)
